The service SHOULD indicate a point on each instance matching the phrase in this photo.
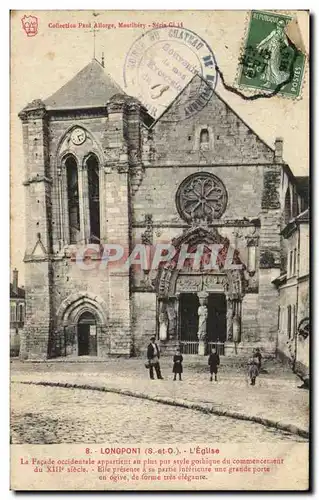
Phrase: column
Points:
(237, 321)
(229, 318)
(163, 320)
(202, 322)
(83, 239)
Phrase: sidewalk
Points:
(275, 401)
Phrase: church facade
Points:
(99, 170)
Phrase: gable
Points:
(231, 140)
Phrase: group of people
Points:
(153, 355)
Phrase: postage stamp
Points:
(270, 61)
(161, 63)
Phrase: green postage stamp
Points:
(270, 62)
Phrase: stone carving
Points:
(188, 284)
(211, 281)
(147, 236)
(229, 319)
(236, 329)
(201, 197)
(134, 156)
(163, 322)
(202, 317)
(172, 320)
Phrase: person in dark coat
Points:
(153, 355)
(177, 366)
(257, 355)
(213, 362)
(253, 371)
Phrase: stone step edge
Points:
(290, 428)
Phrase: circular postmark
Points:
(159, 66)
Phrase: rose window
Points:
(201, 197)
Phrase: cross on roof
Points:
(94, 31)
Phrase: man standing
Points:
(153, 354)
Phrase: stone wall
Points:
(143, 320)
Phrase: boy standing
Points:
(177, 366)
(213, 362)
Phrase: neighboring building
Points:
(98, 169)
(17, 312)
(294, 289)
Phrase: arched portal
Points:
(82, 325)
(86, 333)
(201, 307)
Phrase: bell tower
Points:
(38, 216)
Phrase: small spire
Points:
(102, 60)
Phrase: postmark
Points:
(270, 62)
(161, 63)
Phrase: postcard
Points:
(159, 295)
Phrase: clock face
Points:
(78, 136)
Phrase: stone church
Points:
(99, 169)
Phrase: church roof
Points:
(91, 87)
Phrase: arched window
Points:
(204, 137)
(287, 206)
(92, 166)
(73, 198)
(13, 310)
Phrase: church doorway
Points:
(216, 320)
(87, 333)
(189, 304)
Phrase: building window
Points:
(13, 310)
(21, 313)
(279, 318)
(294, 202)
(204, 137)
(73, 198)
(295, 262)
(293, 321)
(92, 166)
(289, 321)
(290, 263)
(287, 214)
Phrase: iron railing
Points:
(191, 347)
(219, 346)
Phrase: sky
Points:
(40, 65)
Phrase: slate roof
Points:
(19, 295)
(91, 87)
(303, 217)
(292, 225)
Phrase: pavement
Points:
(275, 401)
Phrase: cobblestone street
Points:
(58, 415)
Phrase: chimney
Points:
(15, 281)
(278, 150)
